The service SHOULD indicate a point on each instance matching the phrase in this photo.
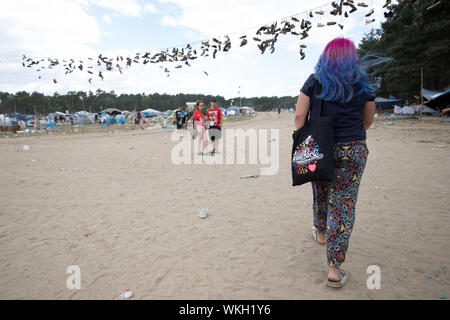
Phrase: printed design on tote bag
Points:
(306, 156)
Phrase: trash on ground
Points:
(127, 294)
(203, 213)
(429, 277)
(443, 296)
(444, 269)
(249, 176)
(26, 147)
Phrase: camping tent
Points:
(62, 114)
(112, 111)
(436, 99)
(150, 112)
(406, 110)
(384, 102)
(83, 120)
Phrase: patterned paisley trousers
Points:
(334, 202)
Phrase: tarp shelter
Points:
(21, 117)
(426, 110)
(82, 113)
(439, 100)
(406, 110)
(83, 120)
(150, 112)
(62, 114)
(384, 102)
(112, 111)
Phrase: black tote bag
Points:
(312, 156)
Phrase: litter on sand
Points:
(443, 296)
(203, 213)
(26, 147)
(249, 176)
(127, 294)
(444, 269)
(429, 277)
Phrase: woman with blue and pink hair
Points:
(348, 97)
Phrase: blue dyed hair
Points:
(340, 74)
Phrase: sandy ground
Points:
(115, 205)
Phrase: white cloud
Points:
(59, 27)
(168, 21)
(129, 8)
(150, 8)
(106, 18)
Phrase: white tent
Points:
(149, 110)
(406, 110)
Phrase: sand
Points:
(114, 204)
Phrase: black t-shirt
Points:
(347, 117)
(179, 116)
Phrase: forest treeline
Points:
(24, 102)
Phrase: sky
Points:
(79, 29)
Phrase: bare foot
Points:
(334, 274)
(321, 238)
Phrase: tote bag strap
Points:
(318, 102)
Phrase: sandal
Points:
(314, 232)
(339, 283)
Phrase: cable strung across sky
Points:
(265, 39)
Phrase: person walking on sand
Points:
(179, 115)
(137, 119)
(200, 128)
(279, 111)
(348, 97)
(215, 118)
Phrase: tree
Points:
(416, 37)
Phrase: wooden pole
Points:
(421, 92)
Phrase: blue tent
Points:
(384, 102)
(233, 108)
(21, 117)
